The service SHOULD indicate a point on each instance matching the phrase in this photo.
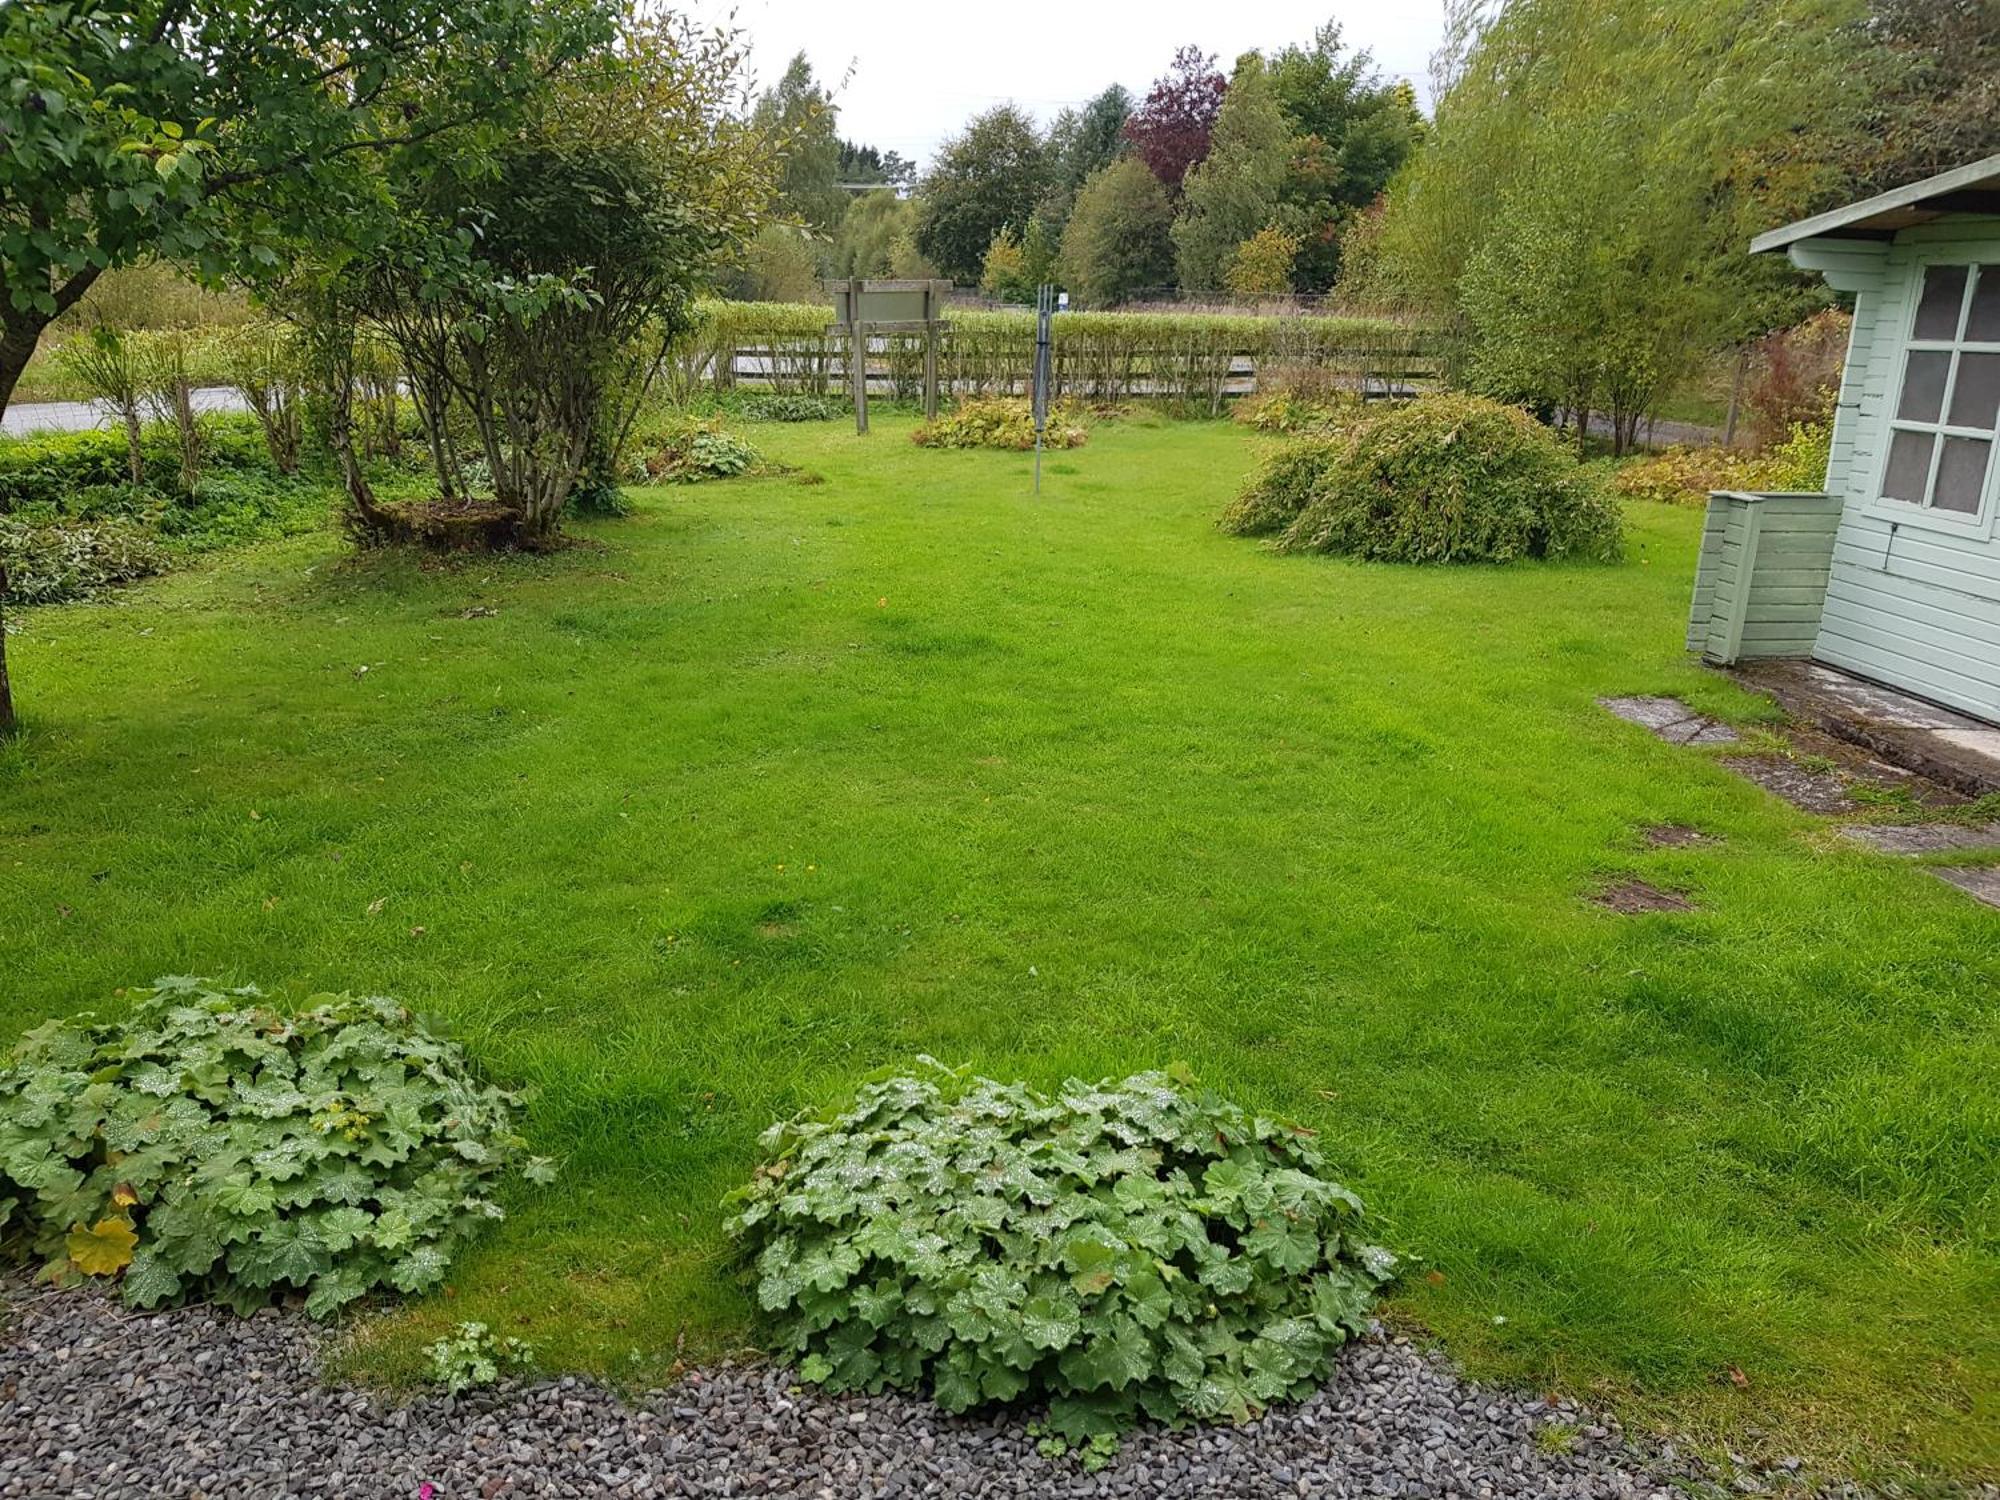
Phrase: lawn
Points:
(774, 784)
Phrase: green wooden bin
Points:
(1761, 582)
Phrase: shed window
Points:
(1941, 437)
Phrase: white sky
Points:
(917, 76)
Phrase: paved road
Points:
(79, 416)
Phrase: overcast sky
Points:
(920, 70)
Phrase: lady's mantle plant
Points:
(1119, 1249)
(210, 1144)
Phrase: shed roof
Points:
(1971, 189)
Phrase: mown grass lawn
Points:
(777, 784)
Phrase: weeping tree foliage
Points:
(1579, 216)
(532, 301)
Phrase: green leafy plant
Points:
(1118, 1249)
(997, 422)
(793, 406)
(1685, 476)
(691, 450)
(210, 1144)
(64, 561)
(470, 1357)
(1444, 478)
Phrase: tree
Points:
(860, 165)
(1170, 130)
(865, 244)
(1262, 264)
(800, 113)
(1934, 89)
(1082, 142)
(1352, 130)
(615, 202)
(1016, 267)
(1234, 191)
(1578, 219)
(1116, 242)
(986, 179)
(216, 131)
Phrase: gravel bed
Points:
(96, 1400)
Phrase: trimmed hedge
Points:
(1097, 356)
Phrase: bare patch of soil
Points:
(1631, 897)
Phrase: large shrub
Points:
(1446, 478)
(1118, 1249)
(210, 1144)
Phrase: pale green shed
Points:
(1894, 573)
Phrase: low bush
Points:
(1296, 412)
(690, 449)
(1118, 1250)
(997, 422)
(71, 560)
(1444, 478)
(1684, 476)
(210, 1144)
(782, 406)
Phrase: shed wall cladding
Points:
(1762, 578)
(1911, 600)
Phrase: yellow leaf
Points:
(103, 1250)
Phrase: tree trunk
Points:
(18, 337)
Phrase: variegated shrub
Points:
(1120, 1249)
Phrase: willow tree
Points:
(1579, 214)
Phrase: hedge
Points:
(1098, 356)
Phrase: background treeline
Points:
(1241, 184)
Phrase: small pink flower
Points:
(427, 1491)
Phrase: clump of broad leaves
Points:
(1118, 1250)
(210, 1144)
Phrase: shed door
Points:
(1914, 598)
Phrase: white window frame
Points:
(1977, 524)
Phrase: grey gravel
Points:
(1923, 838)
(99, 1401)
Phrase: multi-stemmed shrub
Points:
(1445, 478)
(211, 1144)
(1114, 1250)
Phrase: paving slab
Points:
(1671, 720)
(1883, 705)
(1981, 882)
(1810, 791)
(1923, 838)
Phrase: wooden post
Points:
(1736, 396)
(931, 372)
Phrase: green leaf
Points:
(1049, 1322)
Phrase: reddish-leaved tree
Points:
(1170, 130)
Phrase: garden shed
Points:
(1893, 573)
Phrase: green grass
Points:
(774, 784)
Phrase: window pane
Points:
(1961, 475)
(1944, 293)
(1975, 400)
(1983, 327)
(1923, 385)
(1909, 466)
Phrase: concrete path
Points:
(24, 417)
